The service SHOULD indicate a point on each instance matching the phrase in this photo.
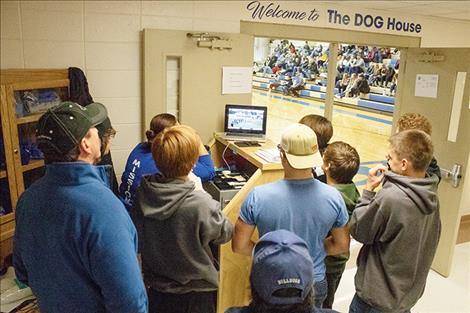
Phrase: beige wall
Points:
(104, 39)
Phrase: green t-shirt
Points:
(350, 194)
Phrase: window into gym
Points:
(290, 78)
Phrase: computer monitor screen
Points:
(245, 119)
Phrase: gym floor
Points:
(366, 131)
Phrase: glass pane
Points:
(30, 104)
(31, 176)
(5, 199)
(289, 77)
(172, 86)
(366, 79)
(38, 100)
(29, 150)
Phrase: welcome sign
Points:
(260, 11)
(323, 15)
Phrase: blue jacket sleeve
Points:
(130, 181)
(114, 265)
(204, 168)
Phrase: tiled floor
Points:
(442, 295)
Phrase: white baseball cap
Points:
(300, 145)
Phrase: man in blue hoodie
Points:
(75, 244)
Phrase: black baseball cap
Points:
(62, 127)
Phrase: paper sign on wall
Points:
(426, 85)
(236, 80)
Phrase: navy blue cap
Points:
(281, 260)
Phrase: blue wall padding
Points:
(375, 105)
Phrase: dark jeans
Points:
(359, 306)
(321, 290)
(333, 283)
(192, 302)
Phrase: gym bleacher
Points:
(376, 100)
(379, 99)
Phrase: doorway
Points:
(290, 77)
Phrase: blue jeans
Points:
(321, 291)
(359, 306)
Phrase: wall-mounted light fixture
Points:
(206, 40)
(430, 57)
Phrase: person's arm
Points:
(217, 228)
(338, 241)
(367, 220)
(204, 168)
(113, 263)
(241, 242)
(130, 178)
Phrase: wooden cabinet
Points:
(25, 95)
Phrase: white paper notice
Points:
(236, 80)
(426, 85)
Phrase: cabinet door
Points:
(27, 104)
(8, 194)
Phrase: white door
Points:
(440, 111)
(200, 100)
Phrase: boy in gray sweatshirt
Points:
(177, 223)
(399, 226)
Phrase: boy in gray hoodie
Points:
(176, 224)
(399, 226)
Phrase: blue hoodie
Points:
(75, 245)
(140, 163)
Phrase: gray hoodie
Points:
(400, 228)
(176, 224)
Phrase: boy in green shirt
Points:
(340, 164)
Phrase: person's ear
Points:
(85, 145)
(405, 165)
(325, 166)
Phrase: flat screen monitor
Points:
(245, 119)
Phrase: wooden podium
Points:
(234, 285)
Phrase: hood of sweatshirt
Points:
(159, 198)
(422, 191)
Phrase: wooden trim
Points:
(7, 145)
(29, 118)
(464, 229)
(4, 235)
(58, 83)
(15, 146)
(33, 164)
(3, 174)
(6, 218)
(20, 75)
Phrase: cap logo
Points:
(288, 281)
(43, 137)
